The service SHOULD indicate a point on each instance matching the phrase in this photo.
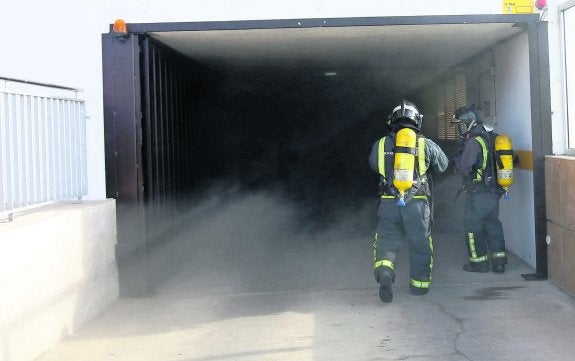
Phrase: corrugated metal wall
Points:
(440, 102)
(168, 96)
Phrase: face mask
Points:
(462, 129)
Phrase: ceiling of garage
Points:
(402, 56)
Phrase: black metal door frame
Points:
(122, 76)
(123, 142)
(541, 136)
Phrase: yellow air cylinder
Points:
(404, 162)
(503, 148)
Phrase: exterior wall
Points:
(67, 50)
(57, 271)
(560, 188)
(561, 221)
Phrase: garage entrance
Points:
(292, 107)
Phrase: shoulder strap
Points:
(484, 157)
(422, 165)
(381, 157)
(385, 157)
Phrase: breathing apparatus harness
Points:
(387, 150)
(494, 167)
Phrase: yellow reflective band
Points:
(384, 263)
(381, 157)
(478, 259)
(375, 247)
(498, 255)
(431, 263)
(421, 155)
(393, 197)
(474, 258)
(484, 154)
(420, 284)
(471, 242)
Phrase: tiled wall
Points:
(560, 189)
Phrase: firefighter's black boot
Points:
(481, 267)
(418, 291)
(386, 278)
(498, 268)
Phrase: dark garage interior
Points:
(288, 111)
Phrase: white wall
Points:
(510, 101)
(514, 119)
(59, 41)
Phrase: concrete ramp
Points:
(253, 286)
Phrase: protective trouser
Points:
(397, 226)
(483, 229)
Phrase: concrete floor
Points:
(257, 295)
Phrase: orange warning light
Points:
(120, 27)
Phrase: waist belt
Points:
(385, 196)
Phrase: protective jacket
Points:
(409, 224)
(475, 163)
(483, 229)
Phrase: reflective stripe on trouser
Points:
(384, 263)
(380, 264)
(498, 257)
(473, 256)
(483, 229)
(398, 226)
(420, 284)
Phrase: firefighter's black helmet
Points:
(469, 115)
(406, 114)
(465, 118)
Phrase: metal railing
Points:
(42, 149)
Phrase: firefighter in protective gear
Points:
(410, 223)
(483, 229)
